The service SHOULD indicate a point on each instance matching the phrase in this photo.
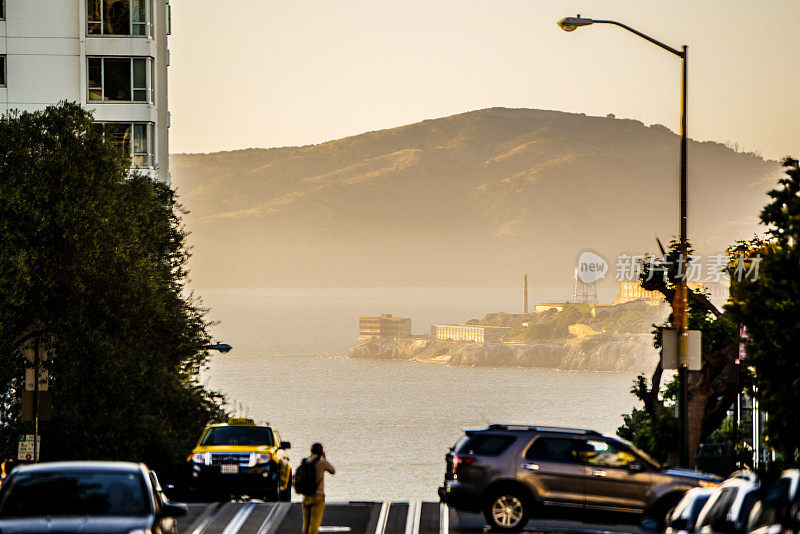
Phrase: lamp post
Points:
(679, 304)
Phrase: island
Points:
(572, 336)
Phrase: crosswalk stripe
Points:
(239, 519)
(274, 518)
(382, 516)
(209, 517)
(413, 519)
(444, 519)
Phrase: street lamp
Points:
(679, 303)
(221, 347)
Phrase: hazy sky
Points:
(265, 73)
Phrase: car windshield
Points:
(74, 494)
(238, 435)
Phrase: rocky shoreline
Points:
(607, 352)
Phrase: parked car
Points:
(728, 509)
(777, 511)
(510, 472)
(240, 458)
(683, 518)
(65, 497)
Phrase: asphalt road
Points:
(256, 517)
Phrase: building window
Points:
(118, 17)
(2, 69)
(119, 79)
(134, 139)
(2, 10)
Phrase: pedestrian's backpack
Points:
(305, 477)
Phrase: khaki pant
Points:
(313, 506)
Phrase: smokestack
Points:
(525, 293)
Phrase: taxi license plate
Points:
(229, 469)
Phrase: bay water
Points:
(386, 425)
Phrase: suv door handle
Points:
(598, 473)
(530, 467)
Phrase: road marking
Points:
(444, 519)
(239, 519)
(334, 529)
(274, 517)
(382, 516)
(413, 519)
(208, 518)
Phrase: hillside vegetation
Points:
(471, 199)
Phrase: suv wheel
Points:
(285, 495)
(507, 511)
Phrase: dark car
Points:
(777, 511)
(108, 497)
(511, 472)
(683, 518)
(728, 509)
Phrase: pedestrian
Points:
(314, 504)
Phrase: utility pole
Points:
(36, 400)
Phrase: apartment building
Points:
(111, 56)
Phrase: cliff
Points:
(615, 353)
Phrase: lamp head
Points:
(569, 24)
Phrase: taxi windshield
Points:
(238, 435)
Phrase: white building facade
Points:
(110, 56)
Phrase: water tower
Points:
(583, 292)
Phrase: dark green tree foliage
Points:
(770, 309)
(712, 389)
(96, 259)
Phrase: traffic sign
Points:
(28, 349)
(44, 379)
(25, 449)
(669, 350)
(45, 406)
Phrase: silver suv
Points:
(512, 472)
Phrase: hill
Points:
(471, 199)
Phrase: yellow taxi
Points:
(241, 458)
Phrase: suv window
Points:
(605, 454)
(484, 444)
(553, 449)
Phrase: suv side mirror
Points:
(173, 509)
(635, 467)
(285, 445)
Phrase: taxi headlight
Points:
(201, 458)
(262, 458)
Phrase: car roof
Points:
(540, 428)
(103, 466)
(218, 425)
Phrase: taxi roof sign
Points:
(241, 421)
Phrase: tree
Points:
(712, 389)
(768, 305)
(93, 259)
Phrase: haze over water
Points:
(386, 425)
